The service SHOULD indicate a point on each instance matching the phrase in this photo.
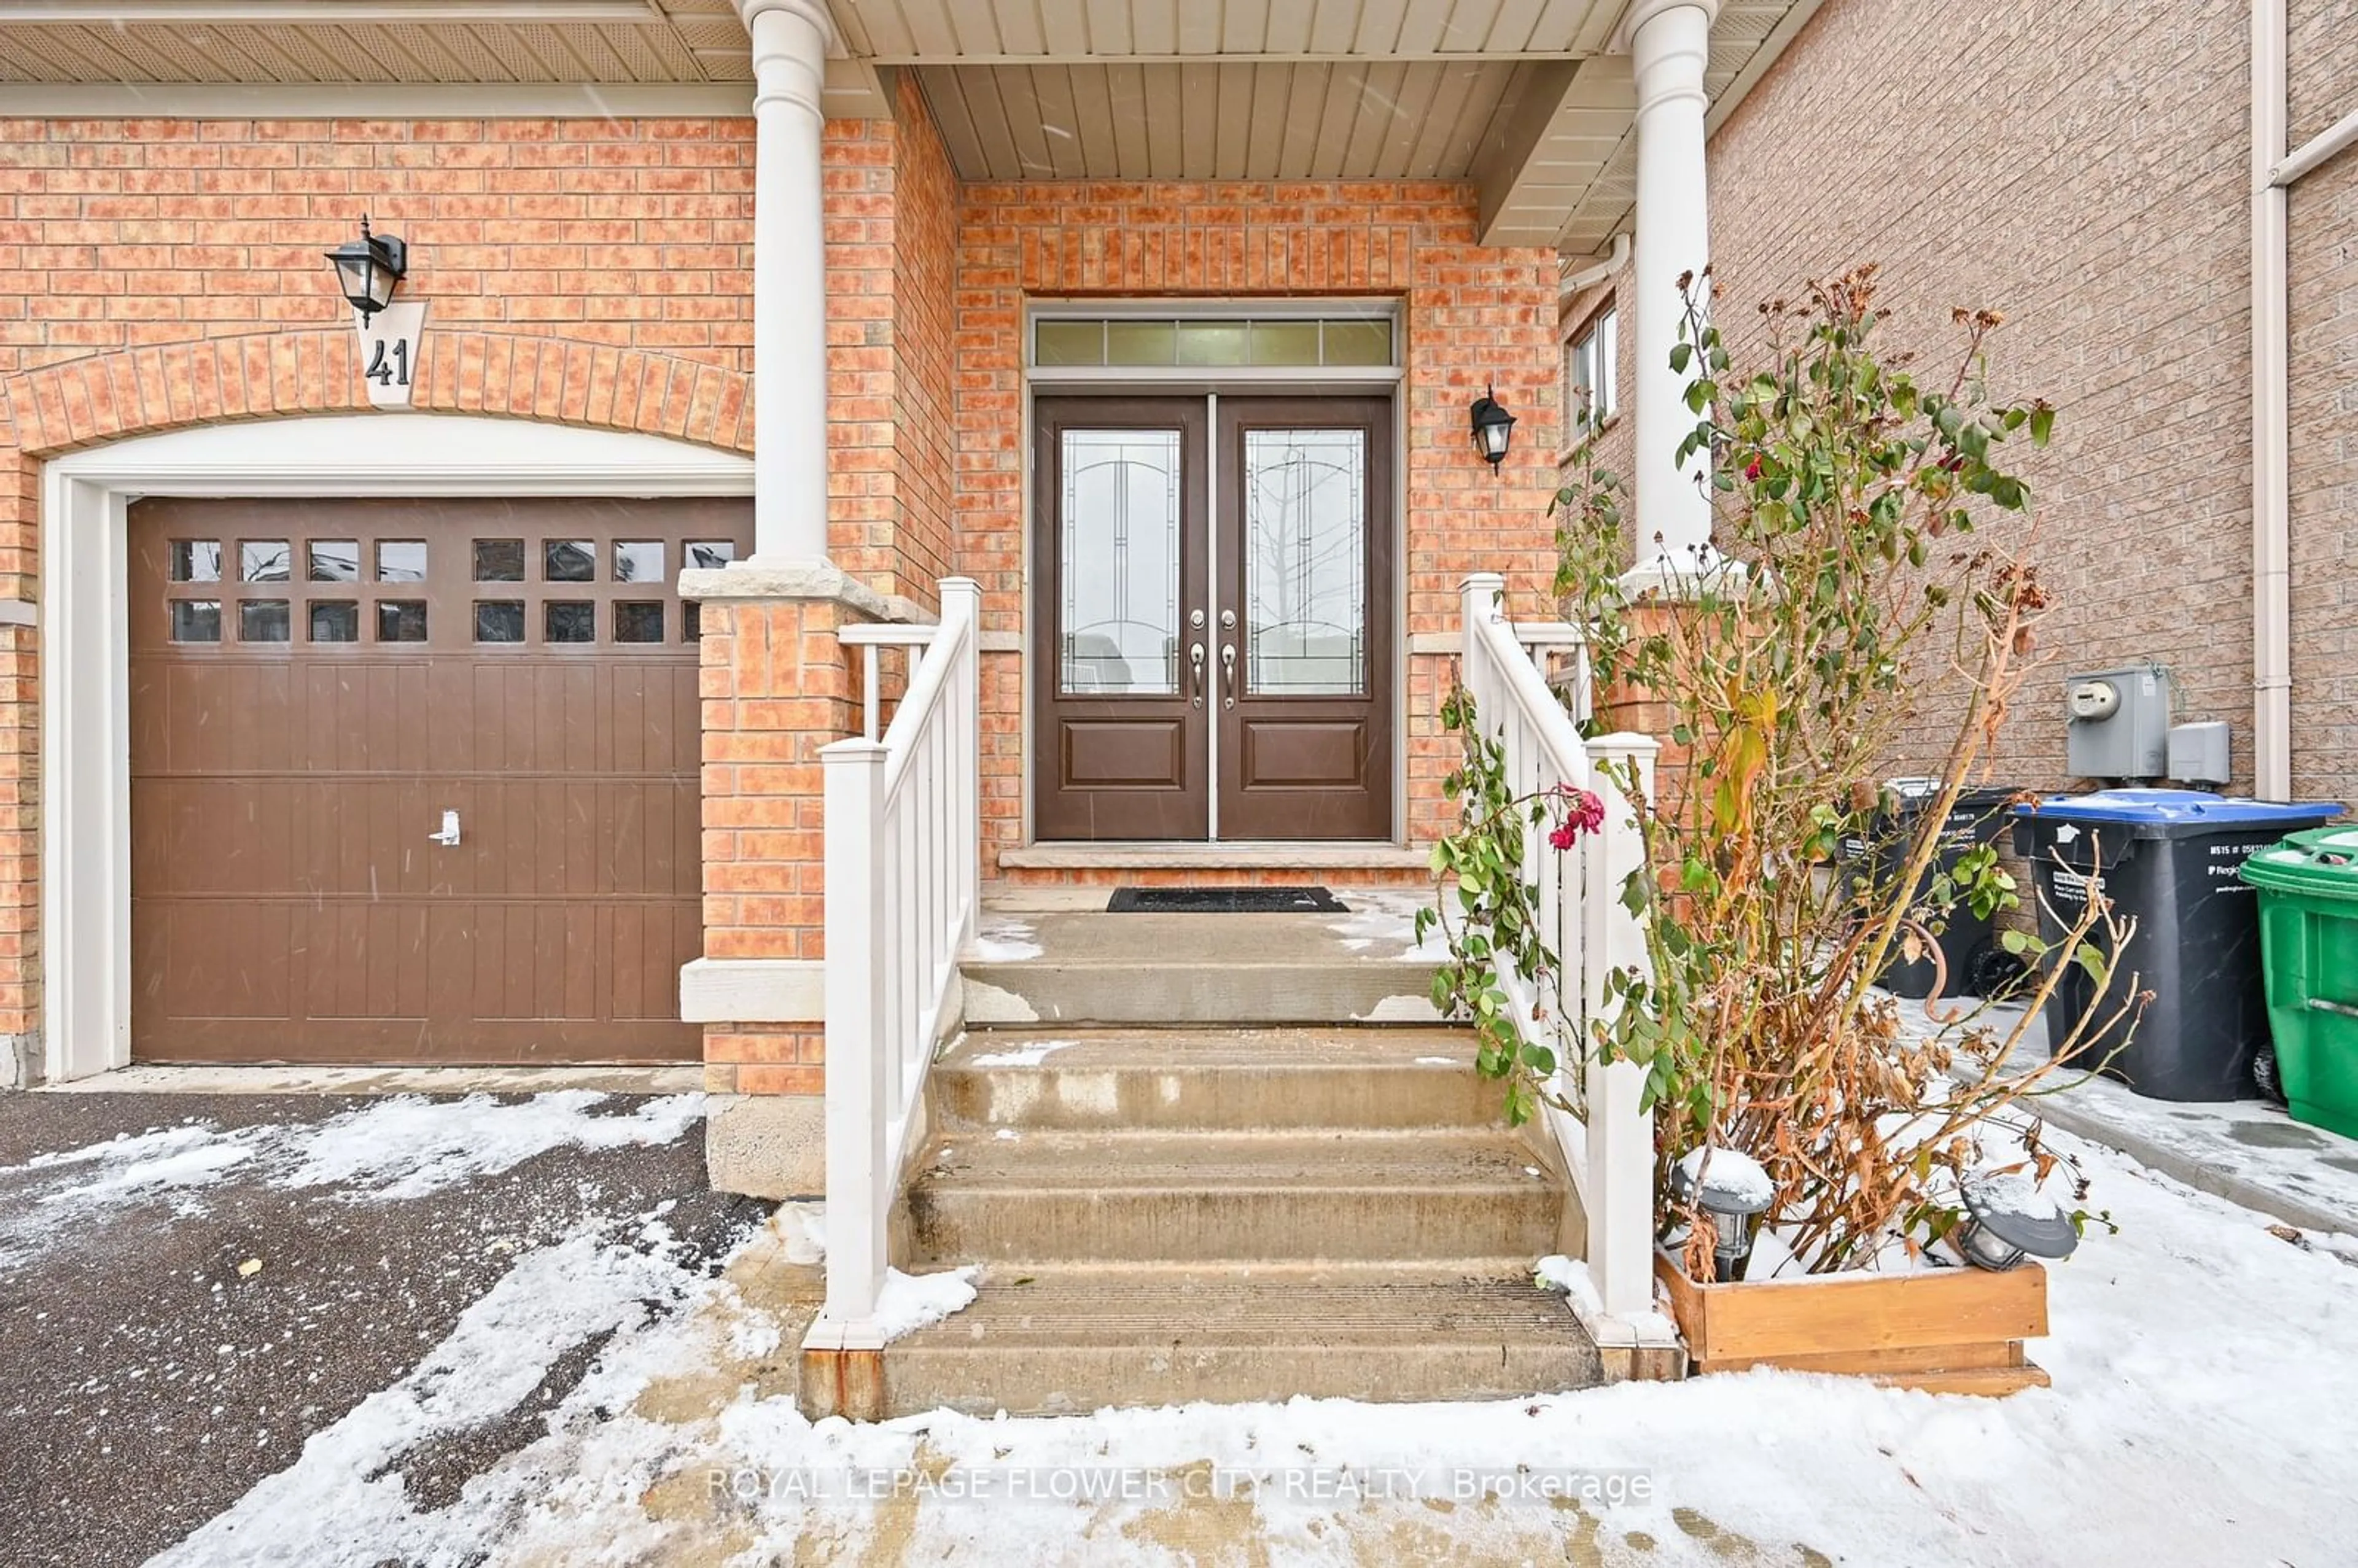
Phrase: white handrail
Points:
(903, 874)
(1608, 1149)
(870, 637)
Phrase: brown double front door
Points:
(1213, 613)
(415, 781)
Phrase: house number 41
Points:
(391, 366)
(389, 352)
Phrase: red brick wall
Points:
(1474, 317)
(776, 686)
(925, 267)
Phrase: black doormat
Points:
(1225, 900)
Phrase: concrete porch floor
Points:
(1044, 954)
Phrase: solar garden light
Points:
(368, 267)
(2008, 1219)
(1733, 1191)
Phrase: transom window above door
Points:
(1224, 342)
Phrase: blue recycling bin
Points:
(2169, 860)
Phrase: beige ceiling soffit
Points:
(1242, 57)
(332, 13)
(1767, 55)
(857, 90)
(376, 101)
(1521, 179)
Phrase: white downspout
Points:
(1589, 277)
(2271, 418)
(2273, 174)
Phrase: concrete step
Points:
(1050, 1339)
(1187, 1197)
(1179, 971)
(1211, 1080)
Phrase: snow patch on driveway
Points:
(399, 1148)
(407, 1147)
(345, 1501)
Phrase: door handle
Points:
(1228, 671)
(449, 835)
(1196, 660)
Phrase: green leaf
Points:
(2014, 942)
(2043, 424)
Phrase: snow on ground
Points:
(404, 1146)
(1032, 1056)
(910, 1302)
(1382, 924)
(1003, 940)
(2201, 1415)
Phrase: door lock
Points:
(449, 837)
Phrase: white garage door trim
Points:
(85, 635)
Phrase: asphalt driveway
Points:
(190, 1286)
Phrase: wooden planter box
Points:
(1956, 1331)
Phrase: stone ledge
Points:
(1322, 857)
(754, 581)
(753, 991)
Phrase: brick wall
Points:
(1474, 317)
(891, 225)
(926, 287)
(777, 687)
(2085, 172)
(778, 684)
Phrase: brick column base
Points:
(777, 685)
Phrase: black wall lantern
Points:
(368, 267)
(1494, 428)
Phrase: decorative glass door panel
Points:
(1117, 562)
(1305, 547)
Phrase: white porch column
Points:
(1669, 41)
(791, 39)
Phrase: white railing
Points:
(904, 873)
(1610, 1152)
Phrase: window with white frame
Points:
(1590, 397)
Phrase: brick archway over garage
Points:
(77, 402)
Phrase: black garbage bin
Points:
(1967, 945)
(2169, 860)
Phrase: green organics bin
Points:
(2309, 953)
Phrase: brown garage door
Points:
(415, 781)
